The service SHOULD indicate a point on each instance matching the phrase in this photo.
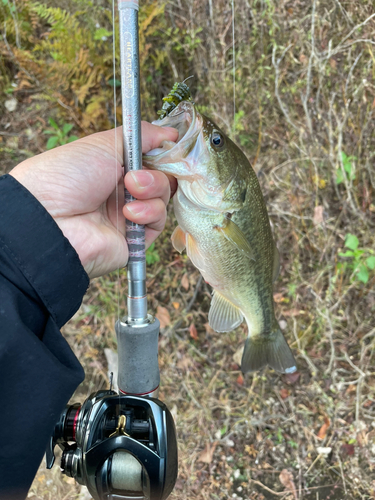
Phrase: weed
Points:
(152, 255)
(59, 134)
(348, 166)
(360, 261)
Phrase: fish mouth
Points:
(187, 121)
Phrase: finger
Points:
(110, 142)
(147, 184)
(153, 136)
(151, 213)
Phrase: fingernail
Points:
(142, 178)
(136, 207)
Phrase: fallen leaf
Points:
(240, 379)
(347, 449)
(208, 328)
(318, 215)
(207, 454)
(193, 332)
(176, 305)
(163, 316)
(185, 281)
(251, 451)
(278, 297)
(237, 356)
(293, 312)
(332, 63)
(291, 378)
(324, 428)
(286, 479)
(284, 393)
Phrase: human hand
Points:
(77, 185)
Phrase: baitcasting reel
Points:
(119, 446)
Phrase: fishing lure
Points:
(180, 92)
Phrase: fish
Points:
(224, 226)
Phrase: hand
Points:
(77, 184)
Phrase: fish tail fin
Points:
(273, 351)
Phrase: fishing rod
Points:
(124, 446)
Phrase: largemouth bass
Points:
(224, 226)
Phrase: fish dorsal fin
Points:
(234, 234)
(194, 253)
(179, 239)
(223, 315)
(276, 264)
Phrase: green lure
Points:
(180, 92)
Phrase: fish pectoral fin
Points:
(272, 350)
(276, 264)
(194, 253)
(234, 234)
(223, 315)
(179, 239)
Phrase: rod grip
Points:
(138, 367)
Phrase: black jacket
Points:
(42, 283)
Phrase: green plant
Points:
(152, 255)
(347, 162)
(59, 135)
(361, 261)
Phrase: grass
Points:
(304, 116)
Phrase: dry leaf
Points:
(318, 215)
(207, 454)
(193, 332)
(292, 378)
(278, 297)
(347, 449)
(209, 330)
(237, 356)
(324, 428)
(332, 63)
(286, 479)
(185, 281)
(163, 316)
(293, 312)
(176, 305)
(284, 393)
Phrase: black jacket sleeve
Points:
(42, 283)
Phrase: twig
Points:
(276, 64)
(340, 45)
(277, 493)
(178, 323)
(313, 368)
(191, 395)
(196, 291)
(305, 98)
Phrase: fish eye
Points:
(217, 139)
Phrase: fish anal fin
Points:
(194, 253)
(276, 264)
(274, 351)
(233, 233)
(179, 239)
(223, 315)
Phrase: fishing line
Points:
(234, 67)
